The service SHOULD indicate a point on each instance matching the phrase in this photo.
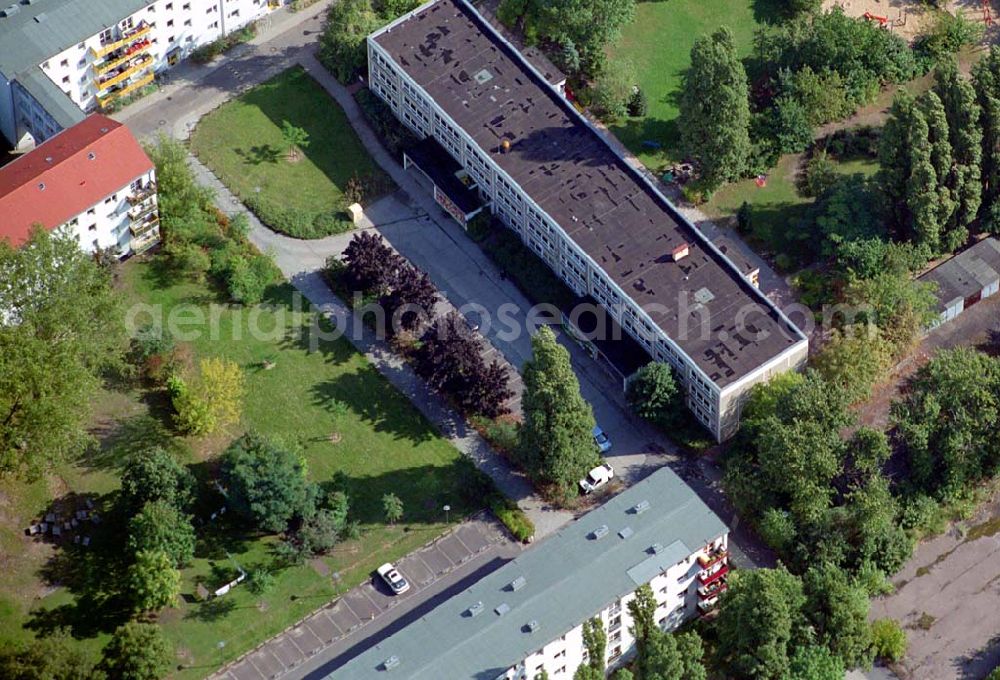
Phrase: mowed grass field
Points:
(658, 42)
(380, 444)
(242, 143)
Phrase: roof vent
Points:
(390, 663)
(502, 608)
(103, 130)
(656, 548)
(640, 507)
(476, 609)
(41, 186)
(600, 532)
(518, 583)
(680, 252)
(483, 76)
(9, 11)
(91, 155)
(40, 18)
(531, 626)
(48, 159)
(626, 532)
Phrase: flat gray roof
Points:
(608, 209)
(967, 273)
(568, 578)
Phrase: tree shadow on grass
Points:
(256, 155)
(424, 490)
(769, 11)
(213, 610)
(124, 437)
(90, 573)
(364, 392)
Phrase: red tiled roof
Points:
(68, 174)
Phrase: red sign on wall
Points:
(449, 205)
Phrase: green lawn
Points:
(777, 207)
(658, 42)
(242, 143)
(384, 445)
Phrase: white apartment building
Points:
(61, 59)
(599, 224)
(92, 179)
(527, 616)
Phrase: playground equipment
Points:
(882, 21)
(987, 13)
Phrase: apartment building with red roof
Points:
(93, 179)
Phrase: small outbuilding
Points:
(967, 278)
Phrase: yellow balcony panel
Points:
(138, 229)
(128, 89)
(110, 47)
(131, 70)
(115, 62)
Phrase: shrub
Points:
(949, 34)
(249, 276)
(519, 524)
(342, 46)
(789, 125)
(888, 640)
(614, 89)
(261, 581)
(638, 105)
(819, 176)
(394, 135)
(213, 398)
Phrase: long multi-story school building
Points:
(62, 59)
(599, 224)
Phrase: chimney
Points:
(505, 146)
(680, 252)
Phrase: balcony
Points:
(708, 609)
(144, 243)
(141, 210)
(131, 87)
(139, 229)
(708, 579)
(136, 33)
(712, 558)
(116, 59)
(142, 194)
(713, 590)
(145, 61)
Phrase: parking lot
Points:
(350, 619)
(948, 599)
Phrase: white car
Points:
(393, 578)
(601, 439)
(596, 478)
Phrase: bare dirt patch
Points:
(909, 18)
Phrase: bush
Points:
(249, 277)
(394, 135)
(819, 176)
(950, 33)
(261, 581)
(638, 105)
(512, 517)
(888, 640)
(789, 125)
(614, 90)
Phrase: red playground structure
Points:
(883, 21)
(987, 13)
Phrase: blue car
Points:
(601, 439)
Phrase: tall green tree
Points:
(672, 656)
(642, 609)
(556, 441)
(61, 327)
(161, 526)
(153, 582)
(267, 482)
(595, 639)
(154, 475)
(57, 656)
(838, 607)
(816, 662)
(965, 132)
(342, 46)
(654, 395)
(137, 651)
(761, 623)
(714, 116)
(947, 421)
(986, 82)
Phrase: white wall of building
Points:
(676, 595)
(177, 27)
(106, 224)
